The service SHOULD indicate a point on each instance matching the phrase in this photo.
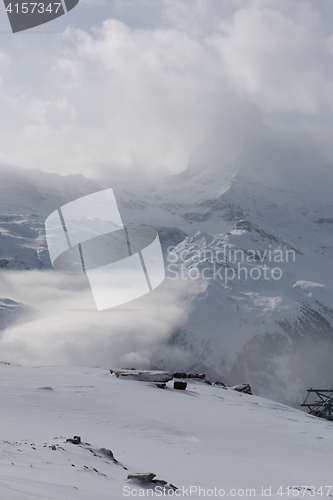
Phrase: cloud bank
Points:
(120, 99)
(65, 327)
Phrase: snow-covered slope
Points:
(26, 199)
(11, 312)
(205, 437)
(274, 207)
(33, 191)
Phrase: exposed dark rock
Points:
(170, 235)
(244, 225)
(324, 221)
(161, 385)
(180, 375)
(143, 478)
(180, 385)
(75, 440)
(196, 375)
(160, 482)
(246, 388)
(148, 478)
(107, 453)
(219, 383)
(144, 375)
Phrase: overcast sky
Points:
(122, 86)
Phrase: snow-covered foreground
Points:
(204, 437)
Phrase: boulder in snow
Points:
(144, 375)
(181, 386)
(74, 440)
(246, 388)
(221, 384)
(143, 478)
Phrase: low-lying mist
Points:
(64, 326)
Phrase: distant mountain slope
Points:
(11, 311)
(27, 197)
(272, 202)
(33, 191)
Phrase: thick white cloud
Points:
(65, 327)
(123, 99)
(278, 61)
(120, 97)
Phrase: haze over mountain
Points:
(274, 199)
(258, 194)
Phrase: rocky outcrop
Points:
(181, 386)
(196, 375)
(180, 375)
(220, 384)
(142, 478)
(246, 388)
(144, 375)
(148, 479)
(74, 440)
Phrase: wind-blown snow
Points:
(205, 436)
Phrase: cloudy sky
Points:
(121, 86)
